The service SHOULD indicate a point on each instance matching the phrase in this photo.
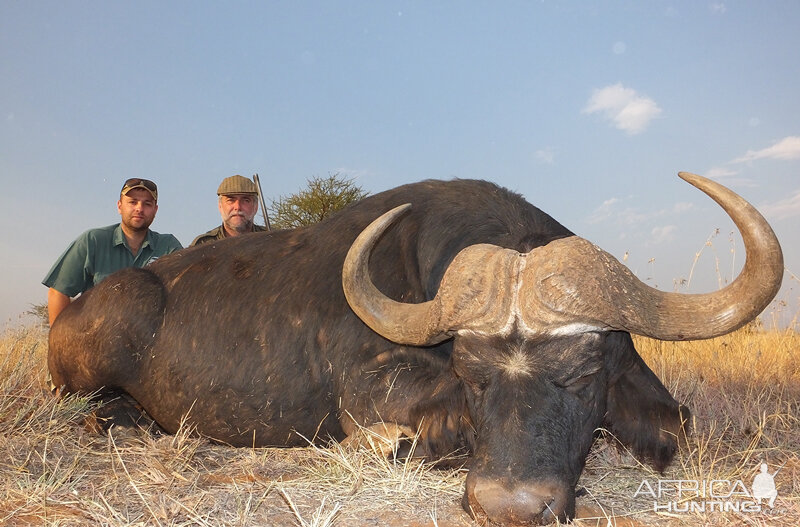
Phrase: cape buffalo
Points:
(471, 317)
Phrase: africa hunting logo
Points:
(716, 495)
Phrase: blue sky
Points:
(589, 109)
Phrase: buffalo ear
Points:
(642, 415)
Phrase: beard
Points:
(137, 224)
(239, 222)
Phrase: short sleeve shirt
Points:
(97, 253)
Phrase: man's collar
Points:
(119, 237)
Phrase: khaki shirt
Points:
(219, 234)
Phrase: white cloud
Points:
(546, 155)
(720, 173)
(615, 210)
(729, 177)
(718, 7)
(783, 209)
(624, 107)
(604, 211)
(663, 234)
(618, 211)
(786, 149)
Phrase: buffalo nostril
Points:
(537, 502)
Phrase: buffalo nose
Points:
(539, 502)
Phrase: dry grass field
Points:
(743, 390)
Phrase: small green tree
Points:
(321, 198)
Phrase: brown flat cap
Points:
(236, 185)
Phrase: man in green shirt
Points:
(238, 205)
(97, 253)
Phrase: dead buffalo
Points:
(472, 317)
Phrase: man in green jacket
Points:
(238, 205)
(97, 253)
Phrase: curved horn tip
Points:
(398, 210)
(387, 218)
(371, 233)
(690, 177)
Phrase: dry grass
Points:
(53, 472)
(744, 391)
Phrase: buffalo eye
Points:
(577, 385)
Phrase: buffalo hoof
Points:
(536, 503)
(119, 411)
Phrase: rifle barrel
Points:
(261, 199)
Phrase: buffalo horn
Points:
(473, 294)
(572, 279)
(568, 285)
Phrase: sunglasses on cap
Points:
(140, 183)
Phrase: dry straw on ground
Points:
(743, 389)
